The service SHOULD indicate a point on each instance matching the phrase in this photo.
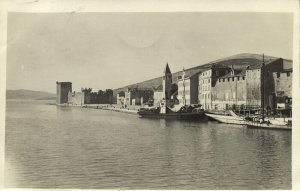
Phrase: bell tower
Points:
(167, 82)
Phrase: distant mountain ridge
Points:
(238, 60)
(29, 94)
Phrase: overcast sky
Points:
(111, 50)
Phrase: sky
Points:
(111, 50)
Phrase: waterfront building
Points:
(138, 96)
(158, 95)
(76, 98)
(105, 97)
(237, 83)
(86, 96)
(207, 80)
(121, 98)
(283, 88)
(260, 81)
(188, 87)
(62, 91)
(229, 90)
(89, 97)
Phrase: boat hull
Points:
(227, 119)
(258, 125)
(180, 116)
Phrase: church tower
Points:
(167, 82)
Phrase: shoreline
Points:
(116, 108)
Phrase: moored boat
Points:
(230, 118)
(184, 113)
(267, 125)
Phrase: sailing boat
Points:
(229, 118)
(265, 122)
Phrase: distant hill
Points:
(238, 60)
(29, 94)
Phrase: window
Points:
(228, 79)
(223, 79)
(232, 78)
(243, 77)
(238, 78)
(278, 74)
(288, 74)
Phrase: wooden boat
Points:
(267, 125)
(185, 113)
(230, 118)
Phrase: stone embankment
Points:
(113, 107)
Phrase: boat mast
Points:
(183, 80)
(263, 89)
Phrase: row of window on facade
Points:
(205, 88)
(205, 81)
(206, 73)
(227, 96)
(287, 74)
(204, 96)
(228, 79)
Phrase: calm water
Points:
(60, 147)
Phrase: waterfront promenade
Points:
(132, 109)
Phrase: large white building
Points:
(188, 87)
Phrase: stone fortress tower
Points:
(62, 91)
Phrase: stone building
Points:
(76, 98)
(240, 86)
(229, 90)
(105, 97)
(283, 88)
(254, 78)
(188, 87)
(158, 95)
(121, 98)
(86, 96)
(207, 80)
(89, 97)
(62, 91)
(138, 96)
